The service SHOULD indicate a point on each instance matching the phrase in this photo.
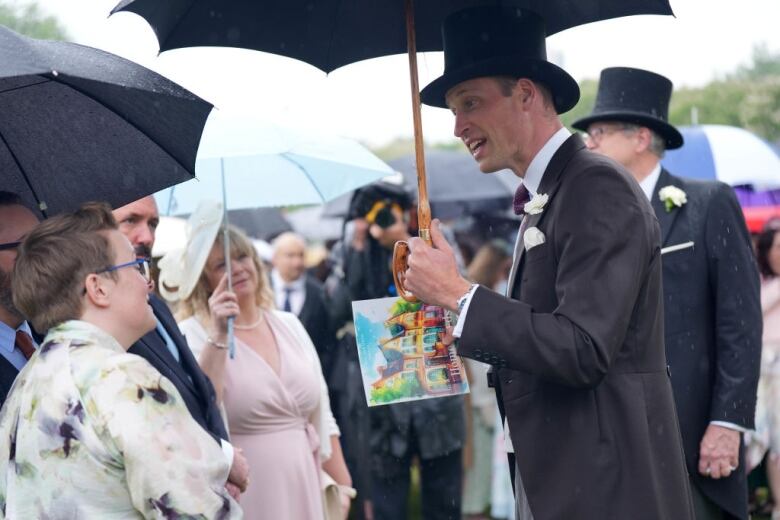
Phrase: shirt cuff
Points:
(462, 316)
(227, 449)
(730, 426)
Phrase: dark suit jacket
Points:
(316, 320)
(196, 390)
(582, 369)
(713, 322)
(8, 374)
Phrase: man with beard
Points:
(16, 343)
(167, 350)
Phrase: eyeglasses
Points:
(142, 264)
(9, 245)
(596, 133)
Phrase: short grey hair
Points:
(657, 143)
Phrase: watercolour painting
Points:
(402, 357)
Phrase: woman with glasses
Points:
(89, 431)
(274, 394)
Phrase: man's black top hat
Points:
(634, 96)
(498, 41)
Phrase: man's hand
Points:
(719, 451)
(433, 274)
(239, 471)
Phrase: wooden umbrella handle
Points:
(401, 250)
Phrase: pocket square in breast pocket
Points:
(677, 247)
(532, 238)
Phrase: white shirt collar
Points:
(649, 182)
(535, 171)
(8, 335)
(279, 283)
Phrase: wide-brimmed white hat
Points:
(180, 268)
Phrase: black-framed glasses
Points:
(142, 264)
(9, 245)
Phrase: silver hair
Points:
(657, 143)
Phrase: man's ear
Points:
(97, 290)
(644, 138)
(525, 91)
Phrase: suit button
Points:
(477, 351)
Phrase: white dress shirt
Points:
(297, 290)
(8, 344)
(649, 182)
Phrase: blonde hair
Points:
(55, 259)
(197, 303)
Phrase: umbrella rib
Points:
(40, 206)
(333, 35)
(44, 80)
(303, 170)
(86, 94)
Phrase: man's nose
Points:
(145, 236)
(461, 126)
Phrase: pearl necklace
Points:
(251, 325)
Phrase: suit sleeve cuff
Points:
(227, 449)
(462, 316)
(730, 426)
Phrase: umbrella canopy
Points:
(267, 165)
(726, 153)
(81, 124)
(456, 186)
(331, 33)
(260, 223)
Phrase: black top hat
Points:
(498, 41)
(634, 96)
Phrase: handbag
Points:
(331, 497)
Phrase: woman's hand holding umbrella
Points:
(223, 304)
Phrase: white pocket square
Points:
(532, 238)
(677, 247)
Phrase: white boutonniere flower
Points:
(532, 237)
(536, 204)
(672, 197)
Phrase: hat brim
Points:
(564, 89)
(672, 137)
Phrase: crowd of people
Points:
(623, 355)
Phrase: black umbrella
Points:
(262, 223)
(457, 187)
(80, 124)
(332, 33)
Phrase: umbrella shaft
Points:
(423, 207)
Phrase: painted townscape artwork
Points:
(402, 357)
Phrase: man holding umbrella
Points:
(711, 287)
(577, 346)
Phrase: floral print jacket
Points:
(90, 431)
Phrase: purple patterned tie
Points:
(521, 198)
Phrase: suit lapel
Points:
(549, 186)
(665, 218)
(160, 349)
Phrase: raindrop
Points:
(55, 73)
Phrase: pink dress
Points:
(270, 418)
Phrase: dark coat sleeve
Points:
(735, 285)
(604, 241)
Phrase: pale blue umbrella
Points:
(251, 163)
(268, 165)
